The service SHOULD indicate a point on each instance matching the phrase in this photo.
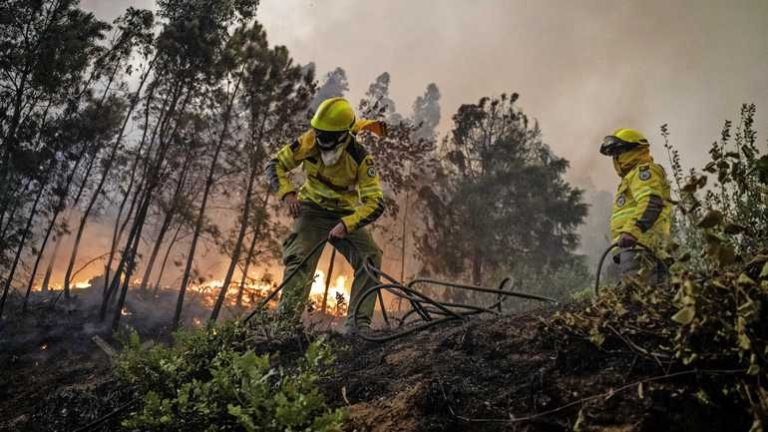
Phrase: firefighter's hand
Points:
(338, 232)
(626, 241)
(294, 207)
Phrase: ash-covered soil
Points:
(513, 374)
(510, 373)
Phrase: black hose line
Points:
(637, 246)
(117, 411)
(429, 311)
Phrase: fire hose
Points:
(425, 311)
(638, 247)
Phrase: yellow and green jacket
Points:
(641, 206)
(350, 187)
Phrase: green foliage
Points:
(712, 315)
(723, 208)
(211, 379)
(499, 201)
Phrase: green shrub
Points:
(209, 380)
(711, 319)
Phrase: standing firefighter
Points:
(341, 195)
(641, 211)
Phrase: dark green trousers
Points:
(633, 262)
(312, 226)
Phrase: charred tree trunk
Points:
(156, 249)
(22, 242)
(165, 259)
(107, 168)
(166, 222)
(477, 269)
(249, 257)
(130, 260)
(201, 213)
(49, 270)
(12, 213)
(58, 209)
(238, 247)
(153, 176)
(117, 233)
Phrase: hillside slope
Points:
(532, 372)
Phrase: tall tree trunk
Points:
(153, 174)
(12, 272)
(165, 259)
(477, 269)
(238, 247)
(49, 270)
(328, 277)
(118, 232)
(12, 213)
(156, 249)
(59, 207)
(201, 213)
(249, 257)
(402, 247)
(167, 220)
(105, 174)
(37, 261)
(244, 276)
(129, 257)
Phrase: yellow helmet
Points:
(334, 115)
(621, 141)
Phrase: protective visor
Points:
(329, 140)
(613, 146)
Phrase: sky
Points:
(583, 68)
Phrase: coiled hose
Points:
(428, 310)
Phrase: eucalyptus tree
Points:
(192, 69)
(51, 60)
(136, 32)
(275, 101)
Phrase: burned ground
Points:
(504, 373)
(513, 373)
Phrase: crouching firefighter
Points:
(340, 196)
(641, 208)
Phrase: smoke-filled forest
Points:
(198, 231)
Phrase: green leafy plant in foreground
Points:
(209, 380)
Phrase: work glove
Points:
(626, 241)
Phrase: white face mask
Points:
(330, 157)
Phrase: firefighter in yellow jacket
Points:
(340, 196)
(641, 207)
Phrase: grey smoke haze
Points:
(332, 84)
(583, 68)
(426, 113)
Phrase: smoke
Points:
(378, 95)
(583, 69)
(333, 85)
(426, 113)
